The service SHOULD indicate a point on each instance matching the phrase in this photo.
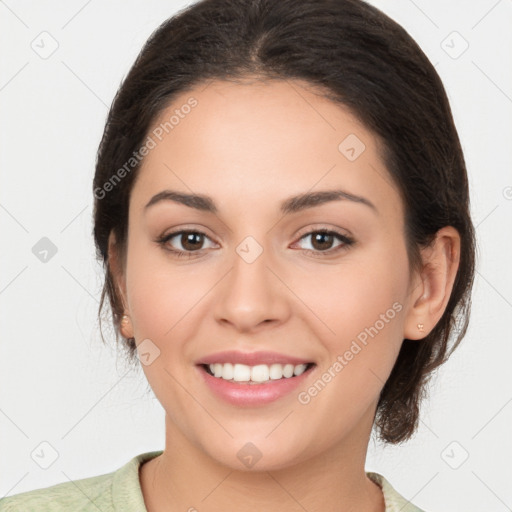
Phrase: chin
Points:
(259, 452)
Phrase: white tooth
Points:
(276, 371)
(259, 373)
(288, 370)
(217, 370)
(299, 369)
(241, 373)
(227, 371)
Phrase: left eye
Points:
(322, 241)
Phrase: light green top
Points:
(120, 491)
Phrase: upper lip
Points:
(251, 358)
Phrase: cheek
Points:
(164, 300)
(362, 306)
(160, 294)
(362, 309)
(357, 294)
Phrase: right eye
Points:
(189, 242)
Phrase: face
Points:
(296, 306)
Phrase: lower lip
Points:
(245, 394)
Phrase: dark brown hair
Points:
(361, 59)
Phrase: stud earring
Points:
(125, 319)
(420, 327)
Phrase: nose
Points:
(252, 296)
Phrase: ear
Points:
(118, 276)
(432, 287)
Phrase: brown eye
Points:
(184, 242)
(324, 241)
(191, 241)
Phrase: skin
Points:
(249, 146)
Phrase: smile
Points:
(257, 374)
(252, 379)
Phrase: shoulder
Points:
(394, 501)
(118, 490)
(81, 495)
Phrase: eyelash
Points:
(346, 242)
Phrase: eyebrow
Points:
(291, 205)
(311, 199)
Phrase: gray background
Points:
(60, 386)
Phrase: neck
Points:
(186, 478)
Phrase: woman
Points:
(281, 205)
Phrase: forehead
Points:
(261, 140)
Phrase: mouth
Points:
(259, 374)
(246, 379)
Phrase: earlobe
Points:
(126, 327)
(432, 293)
